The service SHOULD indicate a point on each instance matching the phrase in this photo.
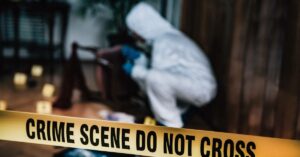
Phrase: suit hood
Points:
(144, 20)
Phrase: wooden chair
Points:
(116, 85)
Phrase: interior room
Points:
(68, 58)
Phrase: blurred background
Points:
(253, 46)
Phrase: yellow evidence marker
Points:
(48, 90)
(3, 105)
(20, 79)
(37, 70)
(44, 107)
(149, 121)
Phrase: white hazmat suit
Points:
(179, 69)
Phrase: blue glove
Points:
(130, 53)
(127, 67)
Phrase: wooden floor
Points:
(25, 100)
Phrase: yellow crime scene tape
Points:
(145, 140)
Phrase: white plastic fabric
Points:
(179, 68)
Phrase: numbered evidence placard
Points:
(137, 139)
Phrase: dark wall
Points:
(255, 52)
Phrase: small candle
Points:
(48, 90)
(43, 107)
(36, 70)
(20, 79)
(3, 105)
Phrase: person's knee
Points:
(205, 96)
(154, 79)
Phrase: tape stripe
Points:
(195, 142)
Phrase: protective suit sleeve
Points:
(140, 70)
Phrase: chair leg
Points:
(66, 88)
(68, 81)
